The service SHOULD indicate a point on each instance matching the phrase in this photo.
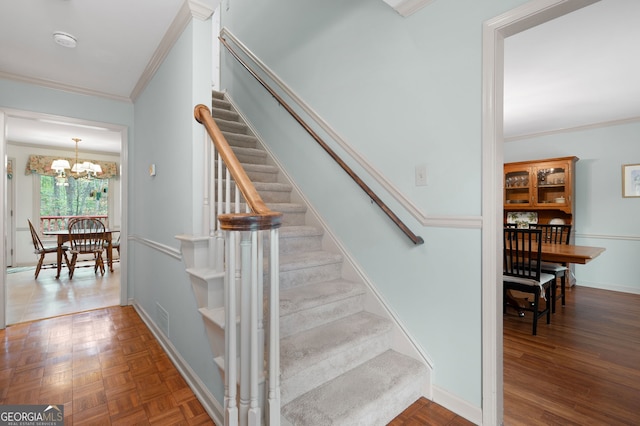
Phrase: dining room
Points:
(49, 199)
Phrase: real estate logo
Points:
(32, 415)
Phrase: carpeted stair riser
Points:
(310, 358)
(225, 114)
(370, 395)
(270, 192)
(233, 127)
(250, 155)
(299, 238)
(240, 140)
(308, 268)
(313, 305)
(257, 172)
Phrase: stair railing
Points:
(241, 235)
(374, 197)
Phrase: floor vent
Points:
(163, 319)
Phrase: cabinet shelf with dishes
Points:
(542, 186)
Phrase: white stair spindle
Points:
(273, 404)
(230, 384)
(254, 414)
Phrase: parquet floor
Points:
(104, 365)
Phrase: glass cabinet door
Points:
(516, 187)
(552, 181)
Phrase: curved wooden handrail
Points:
(261, 217)
(374, 197)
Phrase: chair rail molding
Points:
(407, 7)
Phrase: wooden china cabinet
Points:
(546, 187)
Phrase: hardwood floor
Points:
(30, 299)
(582, 369)
(106, 367)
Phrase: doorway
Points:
(495, 31)
(71, 127)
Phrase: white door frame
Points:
(124, 191)
(494, 32)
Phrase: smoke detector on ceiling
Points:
(65, 39)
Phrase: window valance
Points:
(41, 164)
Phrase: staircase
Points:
(338, 363)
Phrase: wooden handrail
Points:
(261, 217)
(413, 237)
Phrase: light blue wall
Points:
(170, 203)
(603, 218)
(28, 97)
(402, 92)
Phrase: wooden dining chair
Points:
(41, 250)
(556, 234)
(86, 236)
(521, 271)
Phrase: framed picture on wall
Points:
(631, 180)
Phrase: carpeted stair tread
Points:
(309, 296)
(300, 231)
(292, 261)
(371, 394)
(301, 351)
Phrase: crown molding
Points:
(61, 86)
(574, 129)
(407, 7)
(190, 9)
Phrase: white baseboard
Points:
(210, 404)
(610, 287)
(457, 405)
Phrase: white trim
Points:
(162, 248)
(609, 237)
(3, 222)
(457, 405)
(609, 287)
(210, 404)
(61, 86)
(493, 33)
(575, 129)
(407, 7)
(176, 28)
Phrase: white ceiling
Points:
(580, 69)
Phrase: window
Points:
(82, 197)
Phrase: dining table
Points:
(62, 237)
(569, 253)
